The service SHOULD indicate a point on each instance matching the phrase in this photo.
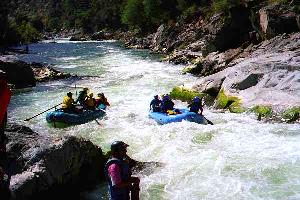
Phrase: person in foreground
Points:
(196, 105)
(167, 105)
(118, 174)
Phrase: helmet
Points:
(196, 99)
(116, 146)
(165, 97)
(85, 89)
(156, 96)
(69, 94)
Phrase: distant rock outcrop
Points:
(44, 165)
(21, 74)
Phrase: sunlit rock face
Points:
(269, 75)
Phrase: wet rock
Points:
(44, 165)
(47, 73)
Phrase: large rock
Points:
(19, 73)
(45, 165)
(268, 75)
(277, 19)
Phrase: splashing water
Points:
(237, 158)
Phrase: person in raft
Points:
(82, 97)
(90, 102)
(68, 104)
(155, 104)
(196, 105)
(167, 105)
(101, 100)
(118, 174)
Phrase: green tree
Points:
(133, 14)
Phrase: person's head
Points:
(100, 95)
(196, 99)
(156, 97)
(91, 95)
(69, 94)
(118, 149)
(166, 97)
(85, 90)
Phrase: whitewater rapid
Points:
(237, 158)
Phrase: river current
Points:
(237, 158)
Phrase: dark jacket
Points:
(155, 105)
(114, 192)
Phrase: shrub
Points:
(224, 101)
(291, 114)
(184, 94)
(262, 111)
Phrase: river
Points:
(237, 158)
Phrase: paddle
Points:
(42, 112)
(208, 121)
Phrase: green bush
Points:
(133, 14)
(224, 101)
(291, 114)
(262, 111)
(184, 94)
(224, 5)
(27, 32)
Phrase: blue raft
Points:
(163, 118)
(60, 119)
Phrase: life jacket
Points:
(155, 105)
(100, 100)
(118, 193)
(4, 99)
(67, 102)
(167, 105)
(195, 107)
(90, 102)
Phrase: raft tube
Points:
(163, 118)
(61, 119)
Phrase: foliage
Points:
(262, 111)
(184, 94)
(224, 101)
(133, 14)
(224, 5)
(291, 114)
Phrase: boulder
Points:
(19, 73)
(277, 19)
(46, 165)
(268, 75)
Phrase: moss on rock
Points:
(184, 94)
(232, 103)
(262, 111)
(291, 114)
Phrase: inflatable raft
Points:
(163, 118)
(60, 119)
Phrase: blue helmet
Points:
(116, 146)
(165, 97)
(196, 99)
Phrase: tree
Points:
(133, 14)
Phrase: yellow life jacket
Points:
(67, 102)
(171, 112)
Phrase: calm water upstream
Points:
(237, 158)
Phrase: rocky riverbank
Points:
(247, 60)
